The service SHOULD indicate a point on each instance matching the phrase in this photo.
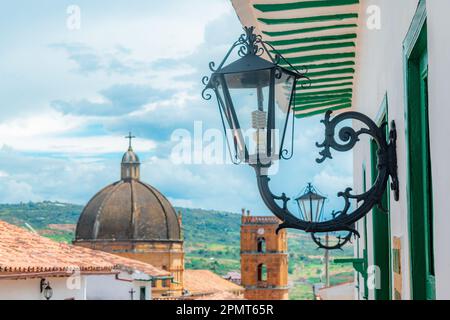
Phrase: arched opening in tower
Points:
(262, 272)
(261, 245)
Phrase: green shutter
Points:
(419, 184)
(312, 37)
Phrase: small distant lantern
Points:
(46, 289)
(311, 204)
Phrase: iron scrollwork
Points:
(344, 220)
(341, 241)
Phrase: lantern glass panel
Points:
(257, 111)
(284, 90)
(311, 207)
(48, 292)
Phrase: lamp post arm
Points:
(344, 220)
(289, 220)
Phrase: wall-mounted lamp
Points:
(269, 86)
(46, 290)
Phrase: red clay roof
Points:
(207, 282)
(224, 295)
(24, 252)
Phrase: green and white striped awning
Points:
(319, 35)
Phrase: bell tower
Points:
(264, 258)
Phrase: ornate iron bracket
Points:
(386, 155)
(341, 241)
(344, 220)
(250, 47)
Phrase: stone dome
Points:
(128, 209)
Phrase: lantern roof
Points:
(249, 63)
(320, 36)
(310, 193)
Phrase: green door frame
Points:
(420, 207)
(381, 223)
(366, 285)
(360, 264)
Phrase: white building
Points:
(389, 60)
(402, 76)
(36, 268)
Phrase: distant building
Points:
(36, 268)
(264, 258)
(233, 276)
(132, 219)
(206, 285)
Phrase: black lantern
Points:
(311, 204)
(255, 96)
(46, 290)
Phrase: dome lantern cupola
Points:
(130, 167)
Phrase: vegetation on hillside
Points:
(212, 241)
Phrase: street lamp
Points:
(255, 95)
(46, 290)
(311, 206)
(264, 92)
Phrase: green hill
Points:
(212, 240)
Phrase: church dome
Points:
(128, 209)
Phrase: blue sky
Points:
(68, 97)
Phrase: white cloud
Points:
(77, 145)
(48, 133)
(159, 30)
(185, 203)
(42, 124)
(160, 45)
(326, 180)
(16, 191)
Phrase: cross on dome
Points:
(129, 137)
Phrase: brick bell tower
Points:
(264, 258)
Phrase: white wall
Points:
(108, 287)
(380, 71)
(29, 289)
(91, 287)
(439, 91)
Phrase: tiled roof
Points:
(24, 252)
(207, 282)
(224, 295)
(344, 291)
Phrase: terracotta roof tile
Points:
(224, 295)
(22, 251)
(207, 282)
